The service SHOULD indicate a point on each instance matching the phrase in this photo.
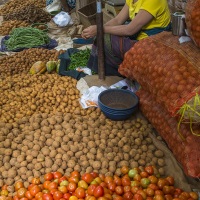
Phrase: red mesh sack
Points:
(187, 152)
(169, 71)
(192, 19)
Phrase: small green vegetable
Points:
(79, 59)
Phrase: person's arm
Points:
(65, 5)
(116, 27)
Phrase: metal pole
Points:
(100, 40)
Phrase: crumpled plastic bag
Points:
(62, 19)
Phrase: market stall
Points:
(53, 148)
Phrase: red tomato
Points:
(90, 198)
(137, 197)
(170, 180)
(24, 198)
(117, 180)
(161, 183)
(52, 185)
(66, 196)
(46, 184)
(149, 170)
(90, 189)
(75, 174)
(150, 192)
(71, 187)
(53, 190)
(127, 188)
(18, 185)
(166, 189)
(153, 186)
(57, 195)
(73, 179)
(142, 193)
(87, 177)
(47, 196)
(194, 195)
(34, 190)
(35, 181)
(21, 192)
(28, 195)
(57, 175)
(144, 174)
(80, 192)
(98, 191)
(39, 195)
(108, 179)
(160, 192)
(124, 170)
(48, 176)
(128, 196)
(126, 181)
(95, 174)
(119, 190)
(153, 179)
(134, 189)
(112, 186)
(107, 196)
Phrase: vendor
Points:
(147, 18)
(67, 5)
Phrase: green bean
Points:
(26, 37)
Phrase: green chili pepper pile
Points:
(26, 37)
(79, 58)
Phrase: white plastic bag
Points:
(54, 6)
(62, 19)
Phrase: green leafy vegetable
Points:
(79, 59)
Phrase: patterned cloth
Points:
(71, 3)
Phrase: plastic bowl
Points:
(118, 104)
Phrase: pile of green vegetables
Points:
(79, 59)
(26, 37)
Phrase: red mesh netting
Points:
(192, 18)
(186, 152)
(168, 70)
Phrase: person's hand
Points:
(89, 32)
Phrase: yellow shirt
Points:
(158, 8)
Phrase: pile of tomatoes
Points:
(134, 184)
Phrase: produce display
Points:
(186, 151)
(192, 14)
(13, 6)
(21, 62)
(7, 26)
(133, 184)
(61, 136)
(29, 13)
(170, 73)
(27, 37)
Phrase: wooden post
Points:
(100, 40)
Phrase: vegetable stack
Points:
(169, 71)
(26, 37)
(192, 20)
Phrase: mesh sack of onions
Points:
(185, 148)
(192, 19)
(169, 71)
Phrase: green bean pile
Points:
(26, 37)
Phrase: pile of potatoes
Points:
(24, 94)
(7, 26)
(22, 61)
(14, 5)
(64, 142)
